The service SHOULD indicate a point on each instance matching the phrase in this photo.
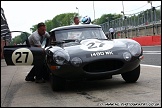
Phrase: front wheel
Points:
(57, 83)
(131, 76)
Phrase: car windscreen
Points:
(80, 34)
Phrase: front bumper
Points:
(84, 71)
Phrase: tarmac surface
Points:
(16, 92)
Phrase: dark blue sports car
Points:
(80, 52)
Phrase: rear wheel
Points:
(57, 83)
(132, 76)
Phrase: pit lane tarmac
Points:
(16, 92)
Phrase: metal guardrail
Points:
(133, 24)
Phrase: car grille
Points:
(102, 66)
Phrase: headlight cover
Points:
(76, 61)
(127, 56)
(61, 57)
(134, 48)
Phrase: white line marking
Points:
(152, 46)
(150, 65)
(151, 51)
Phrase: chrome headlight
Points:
(127, 56)
(61, 57)
(76, 61)
(134, 48)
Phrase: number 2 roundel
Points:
(22, 56)
(96, 45)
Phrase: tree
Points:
(59, 20)
(19, 39)
(33, 28)
(106, 18)
(49, 24)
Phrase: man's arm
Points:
(47, 35)
(36, 41)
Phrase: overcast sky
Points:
(22, 15)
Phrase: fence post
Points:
(153, 11)
(141, 23)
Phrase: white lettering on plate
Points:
(101, 53)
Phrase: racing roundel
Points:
(22, 56)
(96, 45)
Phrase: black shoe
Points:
(29, 78)
(40, 81)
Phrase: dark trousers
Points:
(38, 71)
(112, 35)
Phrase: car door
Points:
(23, 54)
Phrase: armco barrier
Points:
(148, 40)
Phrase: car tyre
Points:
(57, 83)
(131, 76)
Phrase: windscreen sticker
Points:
(96, 45)
(22, 56)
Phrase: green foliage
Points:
(49, 24)
(106, 17)
(34, 28)
(59, 20)
(65, 19)
(20, 39)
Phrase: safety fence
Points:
(144, 23)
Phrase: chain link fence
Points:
(143, 23)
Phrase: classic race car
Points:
(80, 52)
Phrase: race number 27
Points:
(20, 55)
